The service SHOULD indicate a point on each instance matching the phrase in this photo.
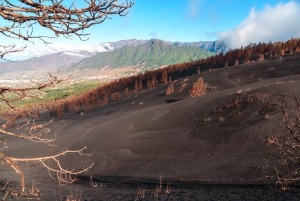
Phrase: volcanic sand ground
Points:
(135, 140)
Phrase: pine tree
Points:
(105, 99)
(153, 81)
(226, 64)
(149, 84)
(170, 89)
(198, 71)
(141, 84)
(199, 88)
(261, 57)
(126, 92)
(164, 76)
(136, 87)
(291, 51)
(236, 62)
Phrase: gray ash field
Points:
(212, 147)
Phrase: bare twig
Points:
(23, 15)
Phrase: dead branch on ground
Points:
(288, 144)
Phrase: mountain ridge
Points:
(155, 53)
(35, 66)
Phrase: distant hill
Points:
(154, 53)
(38, 67)
(212, 46)
(46, 62)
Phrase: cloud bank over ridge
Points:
(278, 23)
(40, 50)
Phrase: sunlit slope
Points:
(155, 53)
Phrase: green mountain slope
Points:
(153, 53)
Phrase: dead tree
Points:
(35, 133)
(199, 88)
(22, 16)
(288, 144)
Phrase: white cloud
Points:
(194, 8)
(74, 54)
(40, 50)
(278, 23)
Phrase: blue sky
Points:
(178, 20)
(236, 22)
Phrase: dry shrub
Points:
(207, 119)
(182, 86)
(212, 88)
(184, 80)
(271, 69)
(221, 119)
(199, 88)
(142, 192)
(239, 91)
(261, 57)
(115, 96)
(287, 169)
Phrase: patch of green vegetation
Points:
(155, 52)
(58, 92)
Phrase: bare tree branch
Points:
(35, 133)
(55, 16)
(21, 93)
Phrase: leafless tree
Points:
(36, 133)
(61, 19)
(21, 17)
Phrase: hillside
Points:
(155, 53)
(38, 67)
(212, 46)
(136, 139)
